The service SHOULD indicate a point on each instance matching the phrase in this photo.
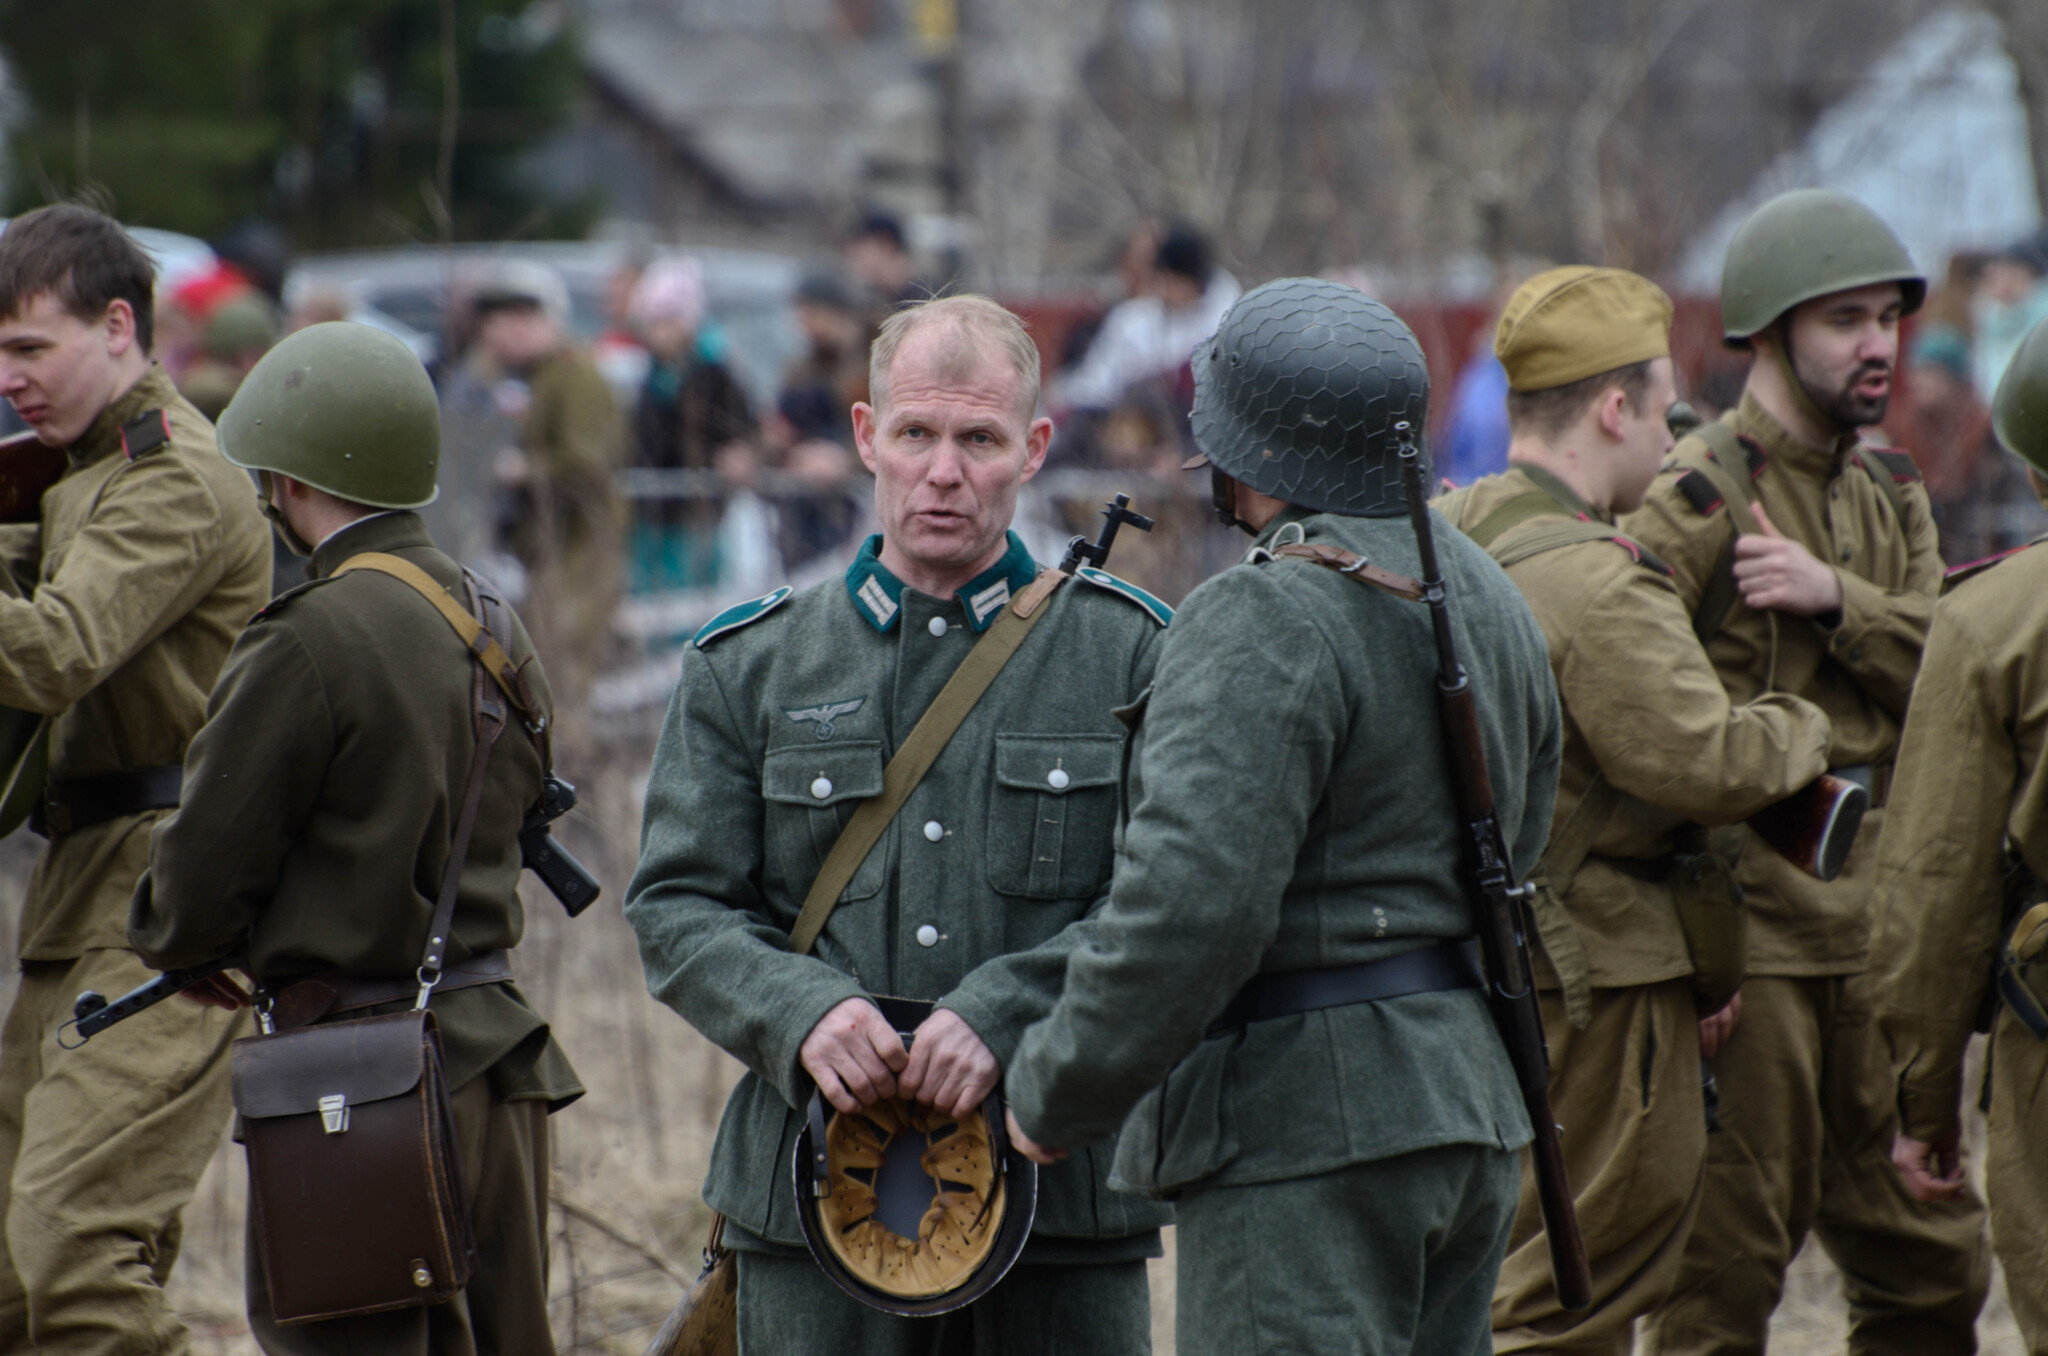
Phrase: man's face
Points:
(1844, 348)
(948, 451)
(518, 336)
(59, 371)
(1645, 438)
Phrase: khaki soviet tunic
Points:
(974, 897)
(1973, 777)
(572, 436)
(150, 568)
(321, 800)
(1857, 668)
(1643, 706)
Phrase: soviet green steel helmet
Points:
(2019, 412)
(240, 324)
(1298, 391)
(345, 408)
(1807, 244)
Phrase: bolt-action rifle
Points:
(1081, 551)
(1500, 906)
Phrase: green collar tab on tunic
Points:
(878, 594)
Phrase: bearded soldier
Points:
(326, 786)
(970, 900)
(1281, 983)
(153, 555)
(1960, 875)
(1652, 750)
(1807, 559)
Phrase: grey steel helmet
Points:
(1806, 244)
(2019, 412)
(1298, 391)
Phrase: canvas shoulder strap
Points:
(1885, 470)
(927, 740)
(1722, 469)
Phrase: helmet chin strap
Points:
(294, 543)
(1781, 353)
(1223, 497)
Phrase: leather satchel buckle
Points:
(334, 1113)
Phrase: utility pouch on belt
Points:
(355, 1183)
(353, 1175)
(1711, 913)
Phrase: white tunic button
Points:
(822, 787)
(934, 830)
(1057, 779)
(927, 935)
(939, 627)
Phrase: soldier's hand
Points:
(949, 1066)
(1933, 1172)
(1716, 1028)
(1773, 571)
(1028, 1146)
(853, 1055)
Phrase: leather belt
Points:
(1876, 778)
(81, 802)
(331, 991)
(1427, 969)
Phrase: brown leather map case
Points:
(354, 1178)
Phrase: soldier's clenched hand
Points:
(853, 1055)
(1933, 1172)
(1774, 571)
(949, 1066)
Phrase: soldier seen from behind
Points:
(1653, 750)
(1961, 922)
(1808, 561)
(327, 787)
(150, 557)
(1284, 982)
(770, 920)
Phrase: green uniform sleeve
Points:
(710, 949)
(1660, 725)
(1195, 901)
(214, 864)
(1884, 630)
(152, 550)
(1939, 882)
(1003, 996)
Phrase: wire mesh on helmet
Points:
(1298, 392)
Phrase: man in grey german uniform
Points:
(1342, 1134)
(787, 710)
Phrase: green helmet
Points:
(2019, 412)
(1807, 244)
(1298, 391)
(344, 408)
(240, 324)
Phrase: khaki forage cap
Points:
(1568, 324)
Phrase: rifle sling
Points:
(927, 740)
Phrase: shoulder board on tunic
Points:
(275, 605)
(146, 433)
(1698, 487)
(1123, 588)
(1972, 569)
(733, 618)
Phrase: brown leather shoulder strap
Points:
(1353, 566)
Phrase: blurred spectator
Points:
(619, 351)
(560, 509)
(1475, 441)
(317, 305)
(258, 250)
(810, 433)
(1154, 334)
(692, 415)
(1945, 426)
(877, 256)
(241, 330)
(2010, 300)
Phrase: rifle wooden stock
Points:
(1499, 911)
(1815, 826)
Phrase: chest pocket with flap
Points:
(1052, 814)
(812, 789)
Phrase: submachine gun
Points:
(1500, 906)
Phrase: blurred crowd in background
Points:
(637, 436)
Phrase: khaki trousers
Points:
(1627, 1092)
(1806, 1099)
(2016, 1166)
(503, 1311)
(100, 1150)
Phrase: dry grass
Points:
(629, 1157)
